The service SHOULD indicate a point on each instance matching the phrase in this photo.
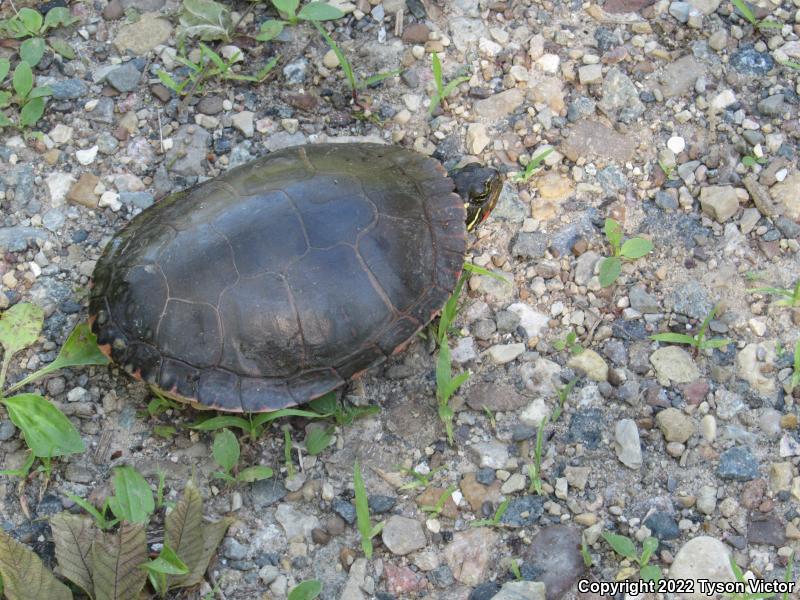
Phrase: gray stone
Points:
(738, 464)
(674, 425)
(69, 89)
(580, 108)
(612, 180)
(296, 524)
(509, 206)
(620, 99)
(466, 31)
(586, 427)
(772, 106)
(7, 430)
(521, 590)
(107, 144)
(469, 553)
(642, 301)
(103, 112)
(234, 550)
(15, 239)
(768, 530)
(666, 200)
(680, 10)
(719, 201)
(662, 526)
(125, 78)
(590, 74)
(188, 154)
(295, 71)
(490, 454)
(553, 557)
(139, 199)
(595, 141)
(267, 492)
(750, 61)
(679, 77)
(530, 245)
(499, 105)
(691, 299)
(140, 37)
(402, 535)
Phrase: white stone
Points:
(533, 323)
(534, 413)
(230, 52)
(677, 144)
(489, 48)
(505, 353)
(703, 557)
(627, 444)
(86, 157)
(477, 138)
(723, 100)
(515, 483)
(330, 60)
(549, 63)
(757, 326)
(110, 199)
(243, 121)
(590, 74)
(58, 184)
(412, 102)
(61, 134)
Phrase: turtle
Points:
(280, 280)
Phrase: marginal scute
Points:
(277, 281)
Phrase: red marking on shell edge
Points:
(105, 349)
(359, 374)
(402, 347)
(92, 319)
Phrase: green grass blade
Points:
(673, 338)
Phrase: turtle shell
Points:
(276, 282)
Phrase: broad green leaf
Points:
(610, 268)
(62, 47)
(31, 112)
(254, 473)
(32, 19)
(649, 546)
(20, 326)
(636, 247)
(362, 511)
(325, 405)
(133, 499)
(183, 531)
(58, 16)
(318, 439)
(5, 100)
(221, 422)
(5, 67)
(24, 576)
(650, 573)
(206, 20)
(613, 232)
(41, 92)
(115, 560)
(167, 563)
(286, 6)
(674, 338)
(621, 545)
(46, 430)
(270, 30)
(264, 418)
(319, 11)
(5, 121)
(73, 536)
(164, 431)
(307, 590)
(32, 50)
(226, 450)
(23, 79)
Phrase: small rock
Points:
(477, 138)
(674, 425)
(243, 121)
(590, 363)
(662, 526)
(402, 535)
(143, 35)
(702, 558)
(628, 445)
(469, 553)
(87, 156)
(738, 464)
(499, 105)
(590, 74)
(674, 364)
(521, 590)
(501, 354)
(490, 454)
(125, 78)
(719, 201)
(83, 193)
(553, 557)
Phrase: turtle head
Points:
(480, 188)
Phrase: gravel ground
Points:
(700, 450)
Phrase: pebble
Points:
(125, 78)
(590, 74)
(553, 557)
(674, 364)
(87, 156)
(492, 454)
(703, 557)
(82, 192)
(469, 553)
(402, 535)
(676, 144)
(477, 138)
(662, 526)
(243, 121)
(296, 524)
(501, 354)
(674, 425)
(143, 35)
(628, 446)
(521, 590)
(589, 363)
(69, 89)
(499, 105)
(523, 512)
(719, 202)
(738, 464)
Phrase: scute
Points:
(277, 281)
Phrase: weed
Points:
(533, 165)
(513, 566)
(343, 413)
(421, 480)
(759, 24)
(353, 80)
(624, 546)
(563, 394)
(490, 416)
(439, 506)
(206, 20)
(253, 425)
(698, 341)
(633, 248)
(226, 452)
(306, 590)
(365, 526)
(209, 66)
(495, 520)
(159, 404)
(587, 558)
(751, 160)
(788, 573)
(535, 469)
(795, 380)
(115, 564)
(739, 575)
(442, 90)
(791, 297)
(47, 432)
(132, 500)
(570, 343)
(669, 170)
(317, 439)
(313, 11)
(28, 99)
(29, 23)
(287, 452)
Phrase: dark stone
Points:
(751, 62)
(344, 509)
(766, 530)
(441, 577)
(69, 89)
(210, 105)
(523, 512)
(788, 227)
(381, 504)
(530, 245)
(485, 476)
(125, 78)
(161, 92)
(485, 591)
(738, 464)
(554, 558)
(662, 526)
(266, 493)
(666, 201)
(586, 427)
(522, 432)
